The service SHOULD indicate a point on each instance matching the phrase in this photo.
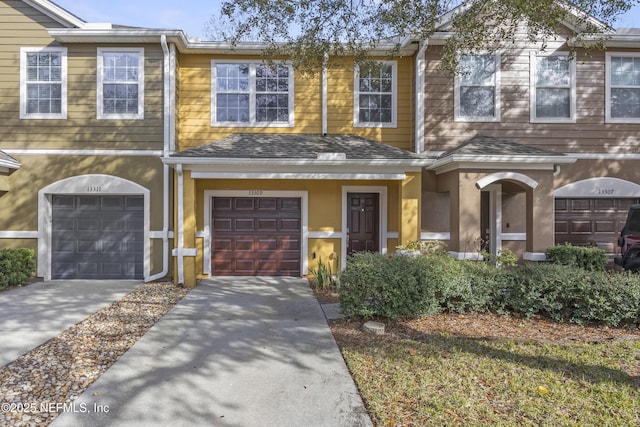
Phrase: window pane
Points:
(477, 70)
(375, 85)
(625, 71)
(477, 101)
(625, 103)
(553, 103)
(553, 71)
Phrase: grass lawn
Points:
(503, 372)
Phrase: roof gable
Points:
(574, 14)
(56, 13)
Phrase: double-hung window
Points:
(553, 88)
(476, 89)
(376, 94)
(623, 88)
(120, 83)
(251, 94)
(43, 83)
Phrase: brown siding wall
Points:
(590, 133)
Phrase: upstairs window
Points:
(251, 94)
(121, 83)
(476, 89)
(43, 83)
(376, 94)
(623, 88)
(553, 97)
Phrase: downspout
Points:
(420, 107)
(325, 95)
(168, 140)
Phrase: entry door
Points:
(363, 224)
(491, 219)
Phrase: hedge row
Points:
(16, 266)
(400, 286)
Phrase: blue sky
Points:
(191, 16)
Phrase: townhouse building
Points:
(139, 153)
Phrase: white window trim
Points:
(607, 106)
(394, 99)
(100, 75)
(23, 84)
(252, 96)
(496, 94)
(533, 66)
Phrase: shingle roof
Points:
(279, 146)
(481, 145)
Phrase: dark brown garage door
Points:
(591, 222)
(256, 236)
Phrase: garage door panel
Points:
(605, 227)
(97, 237)
(243, 224)
(267, 224)
(256, 236)
(581, 227)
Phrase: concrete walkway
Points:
(32, 315)
(233, 352)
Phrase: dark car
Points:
(629, 241)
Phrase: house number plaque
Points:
(606, 191)
(94, 189)
(256, 192)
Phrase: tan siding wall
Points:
(590, 133)
(195, 105)
(22, 26)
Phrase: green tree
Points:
(311, 31)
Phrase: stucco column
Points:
(540, 218)
(410, 200)
(468, 211)
(189, 229)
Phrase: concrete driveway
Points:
(233, 352)
(31, 315)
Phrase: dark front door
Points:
(363, 222)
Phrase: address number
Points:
(256, 192)
(94, 189)
(606, 191)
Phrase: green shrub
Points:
(407, 286)
(570, 294)
(376, 285)
(588, 258)
(16, 266)
(323, 277)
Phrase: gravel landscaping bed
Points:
(44, 382)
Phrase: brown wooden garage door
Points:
(256, 236)
(591, 222)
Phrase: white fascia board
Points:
(56, 13)
(619, 41)
(117, 35)
(490, 162)
(408, 165)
